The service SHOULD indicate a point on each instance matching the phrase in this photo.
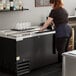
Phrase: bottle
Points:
(20, 4)
(14, 1)
(16, 4)
(4, 4)
(1, 5)
(7, 5)
(11, 5)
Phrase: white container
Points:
(69, 63)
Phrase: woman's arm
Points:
(46, 24)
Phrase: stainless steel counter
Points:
(20, 35)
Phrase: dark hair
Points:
(57, 3)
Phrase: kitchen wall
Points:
(35, 15)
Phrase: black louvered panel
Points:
(23, 68)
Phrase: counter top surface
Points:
(20, 35)
(70, 53)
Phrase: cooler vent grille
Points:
(23, 68)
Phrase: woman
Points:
(59, 16)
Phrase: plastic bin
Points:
(69, 63)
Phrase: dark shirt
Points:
(60, 18)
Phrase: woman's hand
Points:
(41, 30)
(46, 24)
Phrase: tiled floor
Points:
(50, 70)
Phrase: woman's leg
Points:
(61, 44)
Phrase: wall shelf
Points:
(14, 10)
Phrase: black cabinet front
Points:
(42, 53)
(30, 53)
(38, 50)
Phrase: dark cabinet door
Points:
(24, 49)
(42, 53)
(38, 50)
